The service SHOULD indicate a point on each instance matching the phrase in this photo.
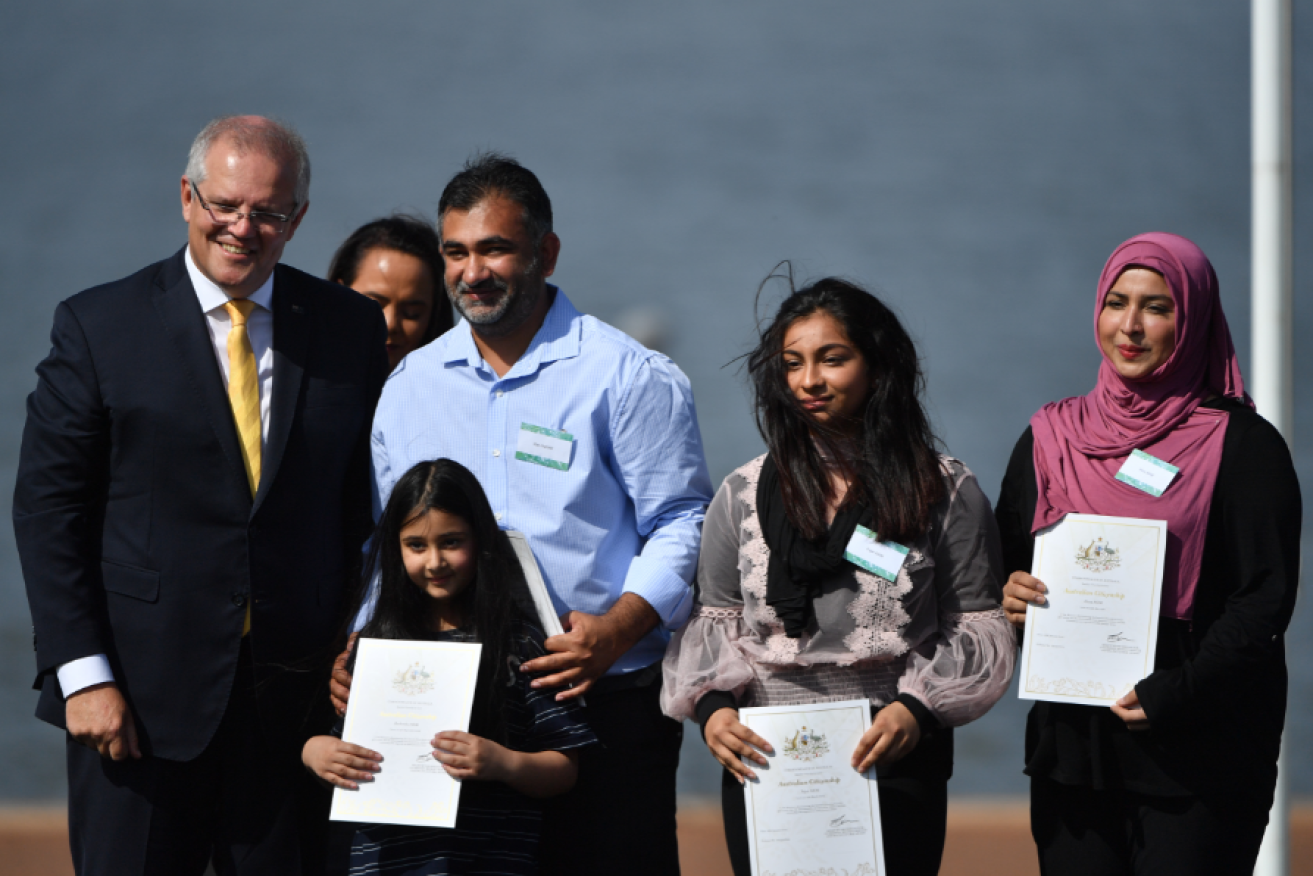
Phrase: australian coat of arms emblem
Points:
(1098, 556)
(805, 745)
(413, 681)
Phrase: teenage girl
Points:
(447, 573)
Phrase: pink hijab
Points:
(1081, 443)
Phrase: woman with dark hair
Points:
(448, 573)
(783, 619)
(397, 261)
(1178, 776)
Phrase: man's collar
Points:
(211, 296)
(462, 347)
(557, 338)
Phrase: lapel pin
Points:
(297, 308)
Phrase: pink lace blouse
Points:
(938, 633)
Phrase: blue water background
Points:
(974, 163)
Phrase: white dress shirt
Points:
(86, 671)
(259, 328)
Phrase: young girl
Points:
(783, 618)
(447, 573)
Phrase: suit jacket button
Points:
(239, 600)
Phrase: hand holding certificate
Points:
(403, 693)
(809, 811)
(1094, 637)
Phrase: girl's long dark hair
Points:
(491, 607)
(894, 465)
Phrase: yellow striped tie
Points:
(244, 396)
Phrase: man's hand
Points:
(892, 736)
(98, 717)
(591, 644)
(339, 683)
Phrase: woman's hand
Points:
(1021, 590)
(728, 739)
(339, 683)
(1128, 708)
(339, 763)
(466, 756)
(892, 736)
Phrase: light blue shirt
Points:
(625, 517)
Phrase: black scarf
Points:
(797, 566)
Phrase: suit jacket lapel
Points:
(291, 340)
(184, 323)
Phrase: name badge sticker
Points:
(883, 558)
(544, 447)
(1147, 473)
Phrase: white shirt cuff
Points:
(83, 673)
(663, 589)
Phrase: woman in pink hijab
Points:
(1178, 776)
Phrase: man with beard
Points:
(588, 443)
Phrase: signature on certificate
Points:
(1118, 637)
(842, 820)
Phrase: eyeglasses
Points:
(222, 214)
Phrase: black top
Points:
(1216, 701)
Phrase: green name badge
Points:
(544, 447)
(1147, 473)
(883, 558)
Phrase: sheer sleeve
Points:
(703, 657)
(961, 672)
(967, 670)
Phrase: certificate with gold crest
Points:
(402, 695)
(809, 812)
(1095, 636)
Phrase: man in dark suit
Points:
(191, 499)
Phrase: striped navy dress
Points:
(497, 827)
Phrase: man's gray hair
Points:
(253, 133)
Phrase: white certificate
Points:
(1094, 637)
(533, 576)
(810, 812)
(402, 695)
